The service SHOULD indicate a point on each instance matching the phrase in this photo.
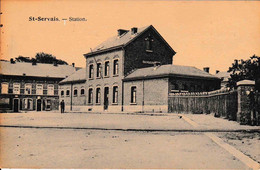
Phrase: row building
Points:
(31, 86)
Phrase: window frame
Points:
(90, 97)
(75, 90)
(62, 93)
(115, 94)
(67, 92)
(91, 71)
(132, 97)
(82, 88)
(115, 70)
(19, 89)
(37, 91)
(105, 68)
(99, 70)
(52, 89)
(26, 87)
(98, 97)
(4, 83)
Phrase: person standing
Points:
(62, 106)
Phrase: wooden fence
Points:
(222, 103)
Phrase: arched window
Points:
(91, 71)
(106, 71)
(75, 92)
(62, 93)
(98, 95)
(90, 96)
(115, 94)
(67, 92)
(82, 91)
(115, 67)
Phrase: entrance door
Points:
(106, 94)
(39, 105)
(16, 105)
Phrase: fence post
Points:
(245, 111)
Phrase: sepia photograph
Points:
(129, 84)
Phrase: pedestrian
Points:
(62, 106)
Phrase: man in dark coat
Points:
(62, 106)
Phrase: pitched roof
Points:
(39, 70)
(223, 75)
(166, 70)
(123, 40)
(78, 76)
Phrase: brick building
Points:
(117, 73)
(31, 86)
(72, 90)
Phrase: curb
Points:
(134, 130)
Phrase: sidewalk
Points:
(123, 121)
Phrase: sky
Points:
(203, 33)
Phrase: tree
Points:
(245, 69)
(48, 58)
(41, 58)
(23, 59)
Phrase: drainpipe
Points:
(143, 98)
(123, 76)
(71, 96)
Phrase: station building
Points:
(134, 71)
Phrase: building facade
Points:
(109, 63)
(73, 91)
(31, 86)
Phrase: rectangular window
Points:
(98, 70)
(50, 89)
(90, 96)
(4, 88)
(39, 89)
(28, 89)
(106, 74)
(133, 94)
(115, 70)
(115, 94)
(91, 71)
(16, 88)
(98, 95)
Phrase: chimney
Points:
(133, 30)
(73, 64)
(217, 71)
(206, 69)
(121, 31)
(12, 61)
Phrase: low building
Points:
(224, 76)
(31, 86)
(72, 90)
(148, 89)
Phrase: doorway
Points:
(39, 105)
(16, 105)
(106, 95)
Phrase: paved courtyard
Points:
(83, 140)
